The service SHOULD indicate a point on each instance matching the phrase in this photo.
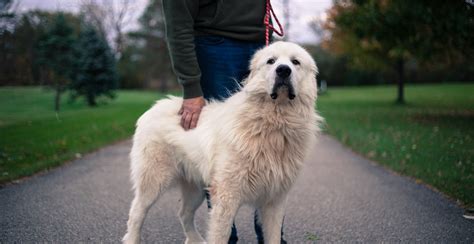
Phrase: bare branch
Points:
(110, 17)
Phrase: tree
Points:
(109, 17)
(7, 15)
(19, 57)
(336, 70)
(153, 52)
(56, 55)
(130, 69)
(96, 73)
(382, 34)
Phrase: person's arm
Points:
(179, 22)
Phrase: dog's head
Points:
(282, 71)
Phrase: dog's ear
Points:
(311, 86)
(310, 60)
(255, 63)
(313, 66)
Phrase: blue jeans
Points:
(224, 63)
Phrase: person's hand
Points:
(190, 111)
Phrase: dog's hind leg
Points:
(191, 198)
(152, 174)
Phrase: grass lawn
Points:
(431, 138)
(33, 137)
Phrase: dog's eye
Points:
(271, 61)
(295, 61)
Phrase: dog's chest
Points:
(273, 160)
(271, 148)
(269, 179)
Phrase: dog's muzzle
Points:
(283, 81)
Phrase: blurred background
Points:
(396, 79)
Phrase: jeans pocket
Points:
(209, 40)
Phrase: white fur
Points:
(246, 150)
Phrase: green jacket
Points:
(185, 19)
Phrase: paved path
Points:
(339, 197)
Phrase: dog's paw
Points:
(128, 239)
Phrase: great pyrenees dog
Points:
(246, 150)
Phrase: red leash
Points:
(269, 14)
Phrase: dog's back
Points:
(193, 151)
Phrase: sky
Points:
(301, 12)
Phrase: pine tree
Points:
(96, 73)
(56, 55)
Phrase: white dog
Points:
(246, 150)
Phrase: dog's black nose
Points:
(283, 71)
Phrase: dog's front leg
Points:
(272, 215)
(224, 208)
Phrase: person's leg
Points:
(224, 64)
(258, 227)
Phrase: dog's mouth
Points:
(283, 86)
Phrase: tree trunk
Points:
(163, 84)
(118, 43)
(57, 98)
(401, 80)
(91, 100)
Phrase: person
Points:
(211, 43)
